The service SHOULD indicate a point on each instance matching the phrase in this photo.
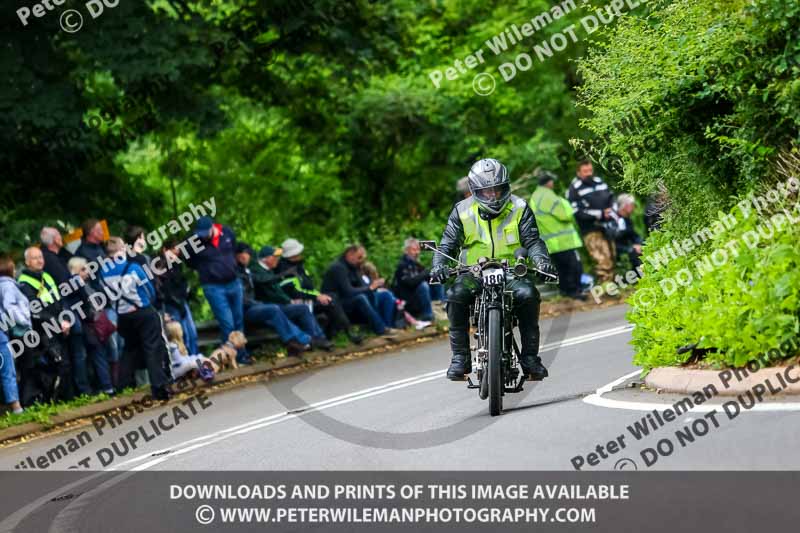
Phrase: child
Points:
(369, 274)
(182, 362)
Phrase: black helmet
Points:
(488, 181)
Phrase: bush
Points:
(716, 86)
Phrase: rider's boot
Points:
(529, 359)
(461, 363)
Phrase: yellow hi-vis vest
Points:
(496, 238)
(47, 292)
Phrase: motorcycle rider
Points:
(492, 223)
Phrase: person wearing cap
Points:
(216, 266)
(299, 286)
(266, 314)
(556, 223)
(268, 289)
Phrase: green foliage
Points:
(717, 85)
(313, 119)
(743, 308)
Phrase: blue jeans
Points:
(437, 292)
(8, 374)
(187, 325)
(77, 352)
(270, 315)
(423, 296)
(101, 357)
(301, 315)
(361, 308)
(384, 301)
(226, 304)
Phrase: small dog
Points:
(225, 355)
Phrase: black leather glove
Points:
(439, 274)
(547, 267)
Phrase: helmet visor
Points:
(491, 195)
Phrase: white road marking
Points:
(207, 440)
(10, 523)
(598, 400)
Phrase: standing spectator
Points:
(266, 314)
(55, 255)
(299, 286)
(462, 188)
(135, 240)
(216, 266)
(91, 247)
(268, 289)
(139, 323)
(627, 240)
(13, 305)
(411, 283)
(556, 227)
(173, 293)
(592, 202)
(359, 299)
(48, 365)
(55, 264)
(97, 332)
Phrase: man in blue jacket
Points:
(216, 266)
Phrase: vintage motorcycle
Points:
(495, 356)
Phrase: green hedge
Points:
(715, 87)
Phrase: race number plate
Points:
(493, 276)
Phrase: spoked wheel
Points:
(495, 370)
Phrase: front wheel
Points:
(495, 370)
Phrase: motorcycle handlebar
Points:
(548, 278)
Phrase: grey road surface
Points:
(396, 411)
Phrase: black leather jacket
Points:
(453, 236)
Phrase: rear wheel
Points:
(495, 370)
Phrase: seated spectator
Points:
(411, 283)
(267, 287)
(139, 322)
(216, 266)
(55, 264)
(382, 296)
(360, 300)
(47, 374)
(13, 305)
(97, 330)
(628, 241)
(173, 293)
(556, 223)
(299, 286)
(183, 362)
(264, 314)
